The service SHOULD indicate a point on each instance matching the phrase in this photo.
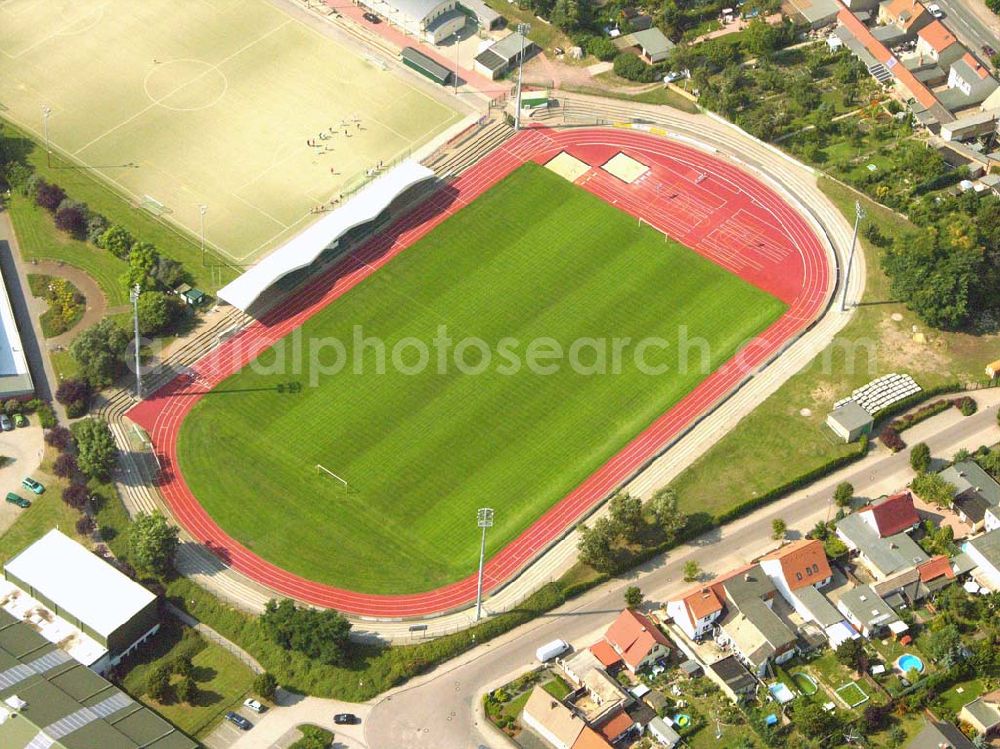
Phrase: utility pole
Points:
(134, 296)
(859, 214)
(522, 29)
(203, 209)
(45, 126)
(484, 519)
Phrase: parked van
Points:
(551, 650)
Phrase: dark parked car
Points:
(17, 499)
(239, 720)
(346, 719)
(5, 423)
(371, 18)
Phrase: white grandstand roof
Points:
(303, 249)
(79, 583)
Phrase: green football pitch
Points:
(210, 102)
(534, 258)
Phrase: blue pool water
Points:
(910, 662)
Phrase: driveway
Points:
(24, 447)
(275, 728)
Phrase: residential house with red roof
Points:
(798, 570)
(696, 611)
(935, 43)
(908, 15)
(637, 640)
(590, 739)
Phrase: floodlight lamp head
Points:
(484, 517)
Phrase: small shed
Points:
(850, 421)
(427, 67)
(664, 734)
(691, 668)
(504, 55)
(191, 296)
(654, 44)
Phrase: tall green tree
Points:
(663, 505)
(152, 542)
(99, 352)
(96, 448)
(626, 514)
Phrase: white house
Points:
(695, 612)
(984, 551)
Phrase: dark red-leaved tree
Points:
(65, 466)
(71, 391)
(72, 219)
(59, 437)
(75, 495)
(49, 196)
(85, 526)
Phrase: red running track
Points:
(714, 207)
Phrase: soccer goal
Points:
(324, 470)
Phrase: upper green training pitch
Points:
(534, 259)
(188, 104)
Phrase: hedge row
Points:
(749, 505)
(907, 403)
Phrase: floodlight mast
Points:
(859, 214)
(134, 293)
(484, 519)
(522, 29)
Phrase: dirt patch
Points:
(899, 351)
(823, 393)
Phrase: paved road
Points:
(965, 22)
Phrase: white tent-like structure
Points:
(305, 247)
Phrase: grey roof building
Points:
(755, 632)
(850, 421)
(883, 556)
(975, 490)
(654, 44)
(61, 704)
(504, 55)
(865, 610)
(984, 551)
(937, 734)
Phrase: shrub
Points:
(96, 226)
(633, 68)
(891, 439)
(966, 405)
(76, 495)
(65, 466)
(602, 48)
(59, 437)
(920, 457)
(71, 391)
(76, 409)
(265, 685)
(118, 241)
(13, 406)
(85, 525)
(158, 682)
(71, 217)
(49, 196)
(46, 416)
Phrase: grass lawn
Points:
(223, 681)
(852, 694)
(659, 95)
(953, 700)
(775, 442)
(40, 240)
(47, 511)
(537, 258)
(557, 687)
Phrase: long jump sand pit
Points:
(211, 103)
(625, 168)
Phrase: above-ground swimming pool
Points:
(781, 692)
(909, 662)
(682, 720)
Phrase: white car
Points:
(253, 705)
(935, 10)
